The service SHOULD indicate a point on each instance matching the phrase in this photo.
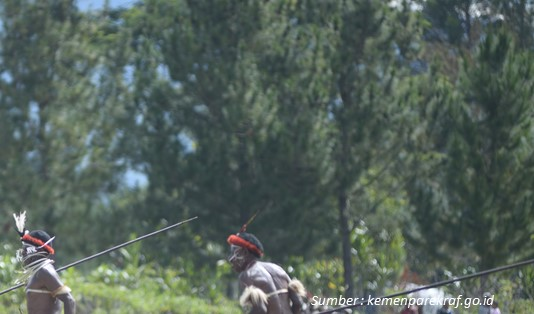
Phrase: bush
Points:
(143, 289)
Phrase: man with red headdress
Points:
(267, 287)
(44, 288)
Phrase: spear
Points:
(85, 259)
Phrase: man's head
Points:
(39, 239)
(244, 248)
(35, 245)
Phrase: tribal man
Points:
(268, 288)
(44, 287)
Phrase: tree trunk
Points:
(345, 244)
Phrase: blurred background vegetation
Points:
(383, 142)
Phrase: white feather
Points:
(253, 296)
(296, 286)
(20, 221)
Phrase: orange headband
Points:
(236, 240)
(37, 242)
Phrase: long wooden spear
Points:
(85, 259)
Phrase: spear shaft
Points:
(85, 259)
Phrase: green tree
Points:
(190, 87)
(479, 201)
(367, 62)
(59, 106)
(456, 22)
(233, 134)
(492, 148)
(517, 17)
(433, 97)
(290, 53)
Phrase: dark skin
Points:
(268, 277)
(44, 303)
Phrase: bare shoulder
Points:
(273, 268)
(46, 272)
(256, 275)
(253, 273)
(276, 270)
(49, 269)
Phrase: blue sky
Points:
(85, 5)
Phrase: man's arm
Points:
(258, 286)
(295, 288)
(53, 283)
(69, 304)
(296, 292)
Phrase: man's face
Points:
(238, 258)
